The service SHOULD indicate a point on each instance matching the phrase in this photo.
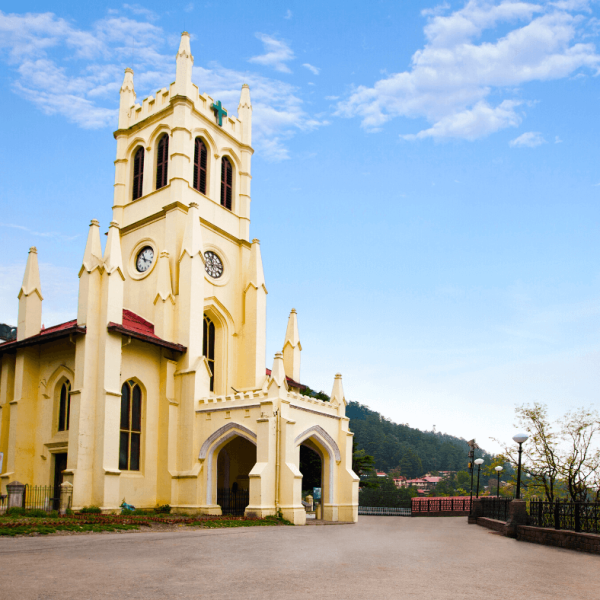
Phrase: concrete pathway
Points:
(379, 558)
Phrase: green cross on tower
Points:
(219, 111)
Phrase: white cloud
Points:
(332, 97)
(82, 85)
(288, 14)
(136, 9)
(312, 69)
(530, 139)
(46, 234)
(454, 76)
(277, 53)
(189, 7)
(557, 140)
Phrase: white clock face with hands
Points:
(144, 259)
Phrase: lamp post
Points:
(498, 469)
(520, 438)
(478, 462)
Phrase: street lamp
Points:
(498, 469)
(478, 462)
(520, 438)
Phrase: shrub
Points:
(164, 509)
(16, 511)
(93, 510)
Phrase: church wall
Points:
(141, 361)
(7, 389)
(57, 364)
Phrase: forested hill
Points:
(415, 452)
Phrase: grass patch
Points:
(220, 522)
(26, 528)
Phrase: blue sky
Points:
(425, 183)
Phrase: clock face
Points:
(214, 266)
(144, 259)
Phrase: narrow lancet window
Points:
(200, 160)
(131, 427)
(138, 173)
(226, 182)
(208, 350)
(162, 162)
(64, 407)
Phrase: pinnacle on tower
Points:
(292, 348)
(245, 114)
(30, 299)
(192, 238)
(185, 62)
(113, 260)
(278, 370)
(256, 275)
(127, 98)
(92, 257)
(337, 393)
(164, 291)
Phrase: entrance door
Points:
(60, 464)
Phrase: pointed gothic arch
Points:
(322, 443)
(211, 447)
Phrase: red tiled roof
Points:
(60, 327)
(140, 329)
(289, 380)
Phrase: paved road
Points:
(380, 557)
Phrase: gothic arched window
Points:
(226, 182)
(162, 162)
(138, 173)
(200, 160)
(131, 427)
(64, 406)
(208, 348)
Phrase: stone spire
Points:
(192, 238)
(245, 114)
(278, 370)
(30, 299)
(256, 275)
(292, 348)
(90, 277)
(253, 358)
(113, 260)
(185, 62)
(164, 299)
(113, 284)
(127, 99)
(92, 257)
(191, 288)
(337, 393)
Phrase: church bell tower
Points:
(182, 204)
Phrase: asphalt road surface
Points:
(380, 557)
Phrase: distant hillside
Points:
(415, 452)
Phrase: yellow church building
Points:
(158, 392)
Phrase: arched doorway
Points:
(311, 467)
(234, 463)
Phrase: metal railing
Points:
(382, 499)
(384, 511)
(495, 508)
(575, 516)
(233, 503)
(426, 505)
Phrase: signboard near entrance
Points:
(317, 494)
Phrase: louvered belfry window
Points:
(162, 162)
(200, 160)
(226, 179)
(131, 427)
(138, 173)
